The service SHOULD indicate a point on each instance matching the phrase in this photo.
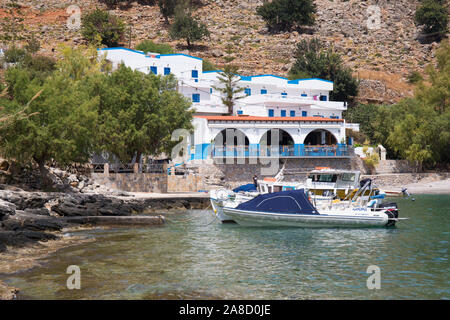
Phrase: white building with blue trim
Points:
(277, 116)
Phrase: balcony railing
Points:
(299, 151)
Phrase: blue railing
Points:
(281, 151)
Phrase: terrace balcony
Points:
(296, 151)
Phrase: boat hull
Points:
(344, 219)
(218, 211)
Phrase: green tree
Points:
(101, 27)
(188, 28)
(283, 15)
(62, 122)
(150, 46)
(167, 8)
(228, 87)
(138, 113)
(433, 16)
(313, 60)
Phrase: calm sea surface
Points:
(195, 257)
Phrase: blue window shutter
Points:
(304, 114)
(248, 91)
(154, 70)
(263, 91)
(271, 113)
(194, 74)
(166, 71)
(195, 97)
(283, 113)
(292, 113)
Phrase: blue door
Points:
(271, 113)
(248, 91)
(194, 74)
(304, 114)
(283, 113)
(154, 70)
(166, 71)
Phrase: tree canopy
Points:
(188, 28)
(229, 89)
(313, 60)
(57, 124)
(138, 113)
(283, 15)
(418, 128)
(101, 27)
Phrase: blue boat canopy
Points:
(246, 187)
(290, 202)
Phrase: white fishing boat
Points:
(293, 209)
(323, 185)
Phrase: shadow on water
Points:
(195, 257)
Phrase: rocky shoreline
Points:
(36, 221)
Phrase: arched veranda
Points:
(277, 141)
(230, 142)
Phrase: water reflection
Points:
(192, 257)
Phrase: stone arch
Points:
(231, 137)
(284, 138)
(320, 137)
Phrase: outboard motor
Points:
(391, 211)
(407, 194)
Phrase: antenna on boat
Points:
(279, 176)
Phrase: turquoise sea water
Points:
(195, 257)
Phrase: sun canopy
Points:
(290, 202)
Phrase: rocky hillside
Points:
(381, 57)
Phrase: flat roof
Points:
(254, 118)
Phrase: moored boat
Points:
(293, 209)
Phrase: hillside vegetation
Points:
(382, 58)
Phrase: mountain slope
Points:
(381, 57)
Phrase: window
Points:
(263, 91)
(284, 94)
(271, 112)
(323, 98)
(154, 70)
(196, 97)
(304, 95)
(327, 178)
(240, 112)
(248, 91)
(304, 113)
(348, 177)
(166, 71)
(194, 74)
(283, 113)
(292, 113)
